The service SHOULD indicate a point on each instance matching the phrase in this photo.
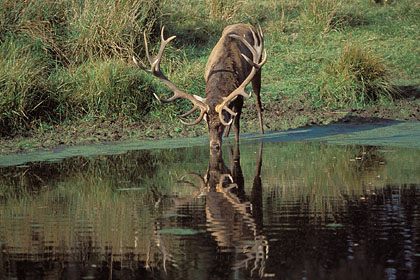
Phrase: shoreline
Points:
(283, 115)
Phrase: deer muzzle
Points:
(215, 146)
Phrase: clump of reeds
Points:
(358, 77)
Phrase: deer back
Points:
(226, 69)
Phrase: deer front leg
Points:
(227, 130)
(239, 102)
(256, 87)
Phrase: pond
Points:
(335, 202)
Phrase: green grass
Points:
(64, 61)
(68, 60)
(357, 77)
(103, 89)
(23, 82)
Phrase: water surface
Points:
(264, 209)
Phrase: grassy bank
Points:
(66, 64)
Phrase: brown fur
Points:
(227, 74)
(225, 71)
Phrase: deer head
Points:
(215, 108)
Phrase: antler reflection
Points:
(234, 220)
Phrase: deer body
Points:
(234, 62)
(225, 70)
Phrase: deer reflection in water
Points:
(233, 218)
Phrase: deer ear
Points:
(199, 98)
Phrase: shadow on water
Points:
(278, 210)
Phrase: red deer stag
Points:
(235, 61)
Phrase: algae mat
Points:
(387, 133)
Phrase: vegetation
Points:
(358, 76)
(64, 60)
(69, 61)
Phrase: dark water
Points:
(297, 210)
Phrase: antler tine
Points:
(146, 45)
(141, 65)
(256, 49)
(155, 71)
(195, 175)
(188, 113)
(158, 58)
(261, 33)
(227, 109)
(154, 61)
(256, 63)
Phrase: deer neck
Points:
(221, 83)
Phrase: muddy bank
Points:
(284, 113)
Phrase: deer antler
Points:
(155, 71)
(256, 51)
(194, 175)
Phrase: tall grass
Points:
(69, 59)
(318, 15)
(79, 30)
(358, 77)
(43, 20)
(109, 28)
(102, 89)
(24, 67)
